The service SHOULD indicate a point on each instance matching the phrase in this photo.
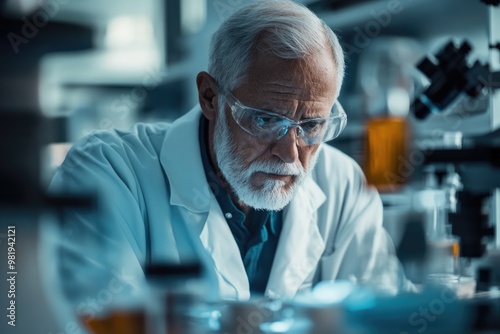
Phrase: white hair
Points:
(282, 28)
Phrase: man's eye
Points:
(312, 126)
(265, 120)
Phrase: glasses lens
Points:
(315, 128)
(261, 124)
(339, 125)
(337, 122)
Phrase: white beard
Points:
(273, 194)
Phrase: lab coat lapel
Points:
(301, 244)
(219, 241)
(181, 160)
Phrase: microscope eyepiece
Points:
(450, 76)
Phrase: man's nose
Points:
(285, 148)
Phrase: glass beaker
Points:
(443, 265)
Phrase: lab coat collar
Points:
(181, 160)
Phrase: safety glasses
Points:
(271, 127)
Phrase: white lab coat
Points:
(153, 176)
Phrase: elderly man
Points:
(273, 209)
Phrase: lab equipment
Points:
(466, 167)
(387, 83)
(451, 76)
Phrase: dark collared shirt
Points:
(257, 239)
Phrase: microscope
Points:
(467, 169)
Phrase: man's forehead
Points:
(284, 87)
(315, 74)
(288, 99)
(296, 88)
(288, 107)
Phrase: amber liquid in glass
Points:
(386, 162)
(116, 322)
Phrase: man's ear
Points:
(207, 95)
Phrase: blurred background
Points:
(69, 67)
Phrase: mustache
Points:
(280, 168)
